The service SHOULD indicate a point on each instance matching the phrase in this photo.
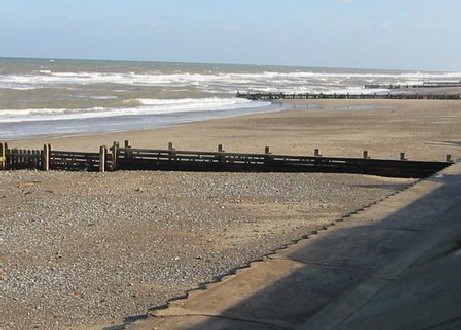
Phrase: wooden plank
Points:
(146, 152)
(2, 156)
(73, 165)
(76, 161)
(24, 157)
(102, 159)
(46, 157)
(115, 151)
(74, 154)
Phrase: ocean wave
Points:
(219, 80)
(134, 107)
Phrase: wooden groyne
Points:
(425, 84)
(129, 158)
(304, 96)
(48, 159)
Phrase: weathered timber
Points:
(17, 159)
(144, 159)
(2, 156)
(303, 96)
(81, 161)
(102, 158)
(129, 158)
(114, 150)
(46, 157)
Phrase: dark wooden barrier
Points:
(128, 158)
(74, 161)
(81, 161)
(17, 159)
(48, 159)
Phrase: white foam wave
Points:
(220, 81)
(146, 107)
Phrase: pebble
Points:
(104, 247)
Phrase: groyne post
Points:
(365, 154)
(449, 160)
(102, 158)
(7, 159)
(2, 156)
(171, 151)
(317, 153)
(127, 147)
(267, 155)
(46, 157)
(114, 150)
(221, 157)
(402, 156)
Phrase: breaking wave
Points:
(134, 107)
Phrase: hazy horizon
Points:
(392, 34)
(223, 63)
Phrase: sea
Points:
(49, 97)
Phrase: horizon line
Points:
(217, 63)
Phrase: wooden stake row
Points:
(47, 158)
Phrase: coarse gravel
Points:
(81, 249)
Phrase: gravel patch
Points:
(87, 248)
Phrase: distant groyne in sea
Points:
(425, 84)
(305, 96)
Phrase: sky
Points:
(383, 34)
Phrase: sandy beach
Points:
(423, 129)
(84, 250)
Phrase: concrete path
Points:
(393, 265)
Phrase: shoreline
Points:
(29, 130)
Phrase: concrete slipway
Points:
(393, 265)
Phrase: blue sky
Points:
(401, 34)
